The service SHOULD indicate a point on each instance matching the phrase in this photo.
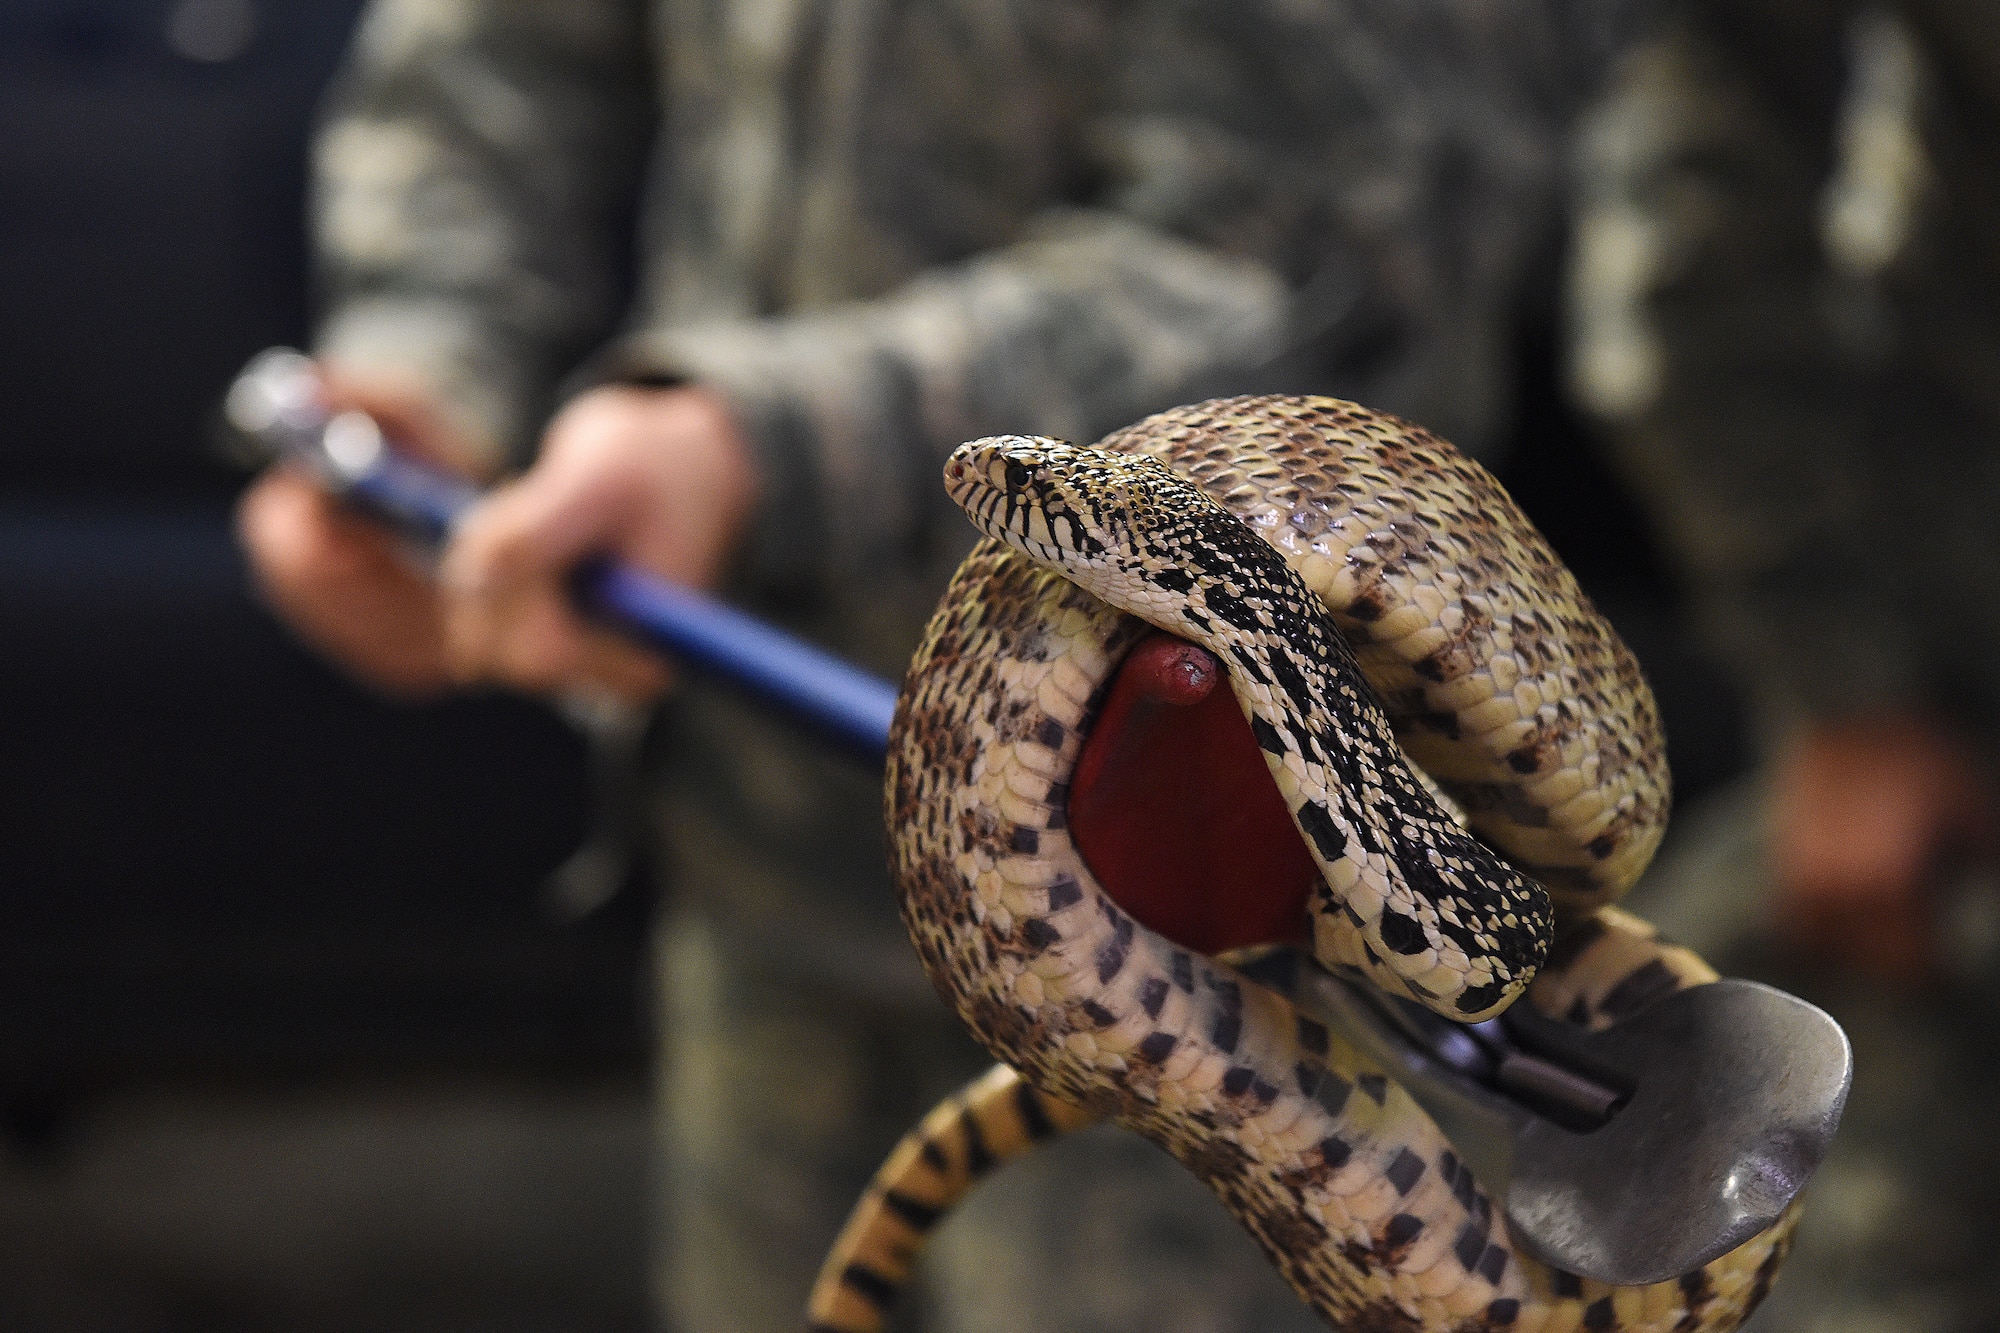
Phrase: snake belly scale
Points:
(1277, 531)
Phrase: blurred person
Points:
(864, 233)
(1786, 308)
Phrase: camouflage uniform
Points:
(1784, 295)
(880, 229)
(1784, 290)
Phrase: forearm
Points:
(472, 189)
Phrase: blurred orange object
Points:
(1867, 817)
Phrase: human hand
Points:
(1865, 815)
(658, 478)
(336, 577)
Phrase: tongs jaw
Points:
(1631, 1155)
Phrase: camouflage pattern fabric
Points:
(1784, 295)
(1787, 262)
(880, 229)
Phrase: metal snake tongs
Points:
(1631, 1155)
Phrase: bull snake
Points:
(1277, 532)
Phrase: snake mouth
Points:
(1173, 807)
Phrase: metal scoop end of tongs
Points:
(1632, 1155)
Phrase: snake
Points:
(1471, 755)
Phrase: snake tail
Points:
(989, 1122)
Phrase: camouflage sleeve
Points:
(1338, 199)
(473, 186)
(1085, 324)
(1785, 315)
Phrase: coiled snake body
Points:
(1277, 532)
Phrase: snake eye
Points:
(1018, 475)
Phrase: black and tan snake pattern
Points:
(1384, 555)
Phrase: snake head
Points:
(1069, 507)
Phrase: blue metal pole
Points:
(275, 402)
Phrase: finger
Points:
(337, 582)
(538, 647)
(633, 674)
(539, 526)
(471, 632)
(527, 636)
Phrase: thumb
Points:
(412, 416)
(537, 526)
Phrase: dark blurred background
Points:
(290, 1032)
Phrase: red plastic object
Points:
(1175, 812)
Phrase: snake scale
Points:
(1374, 595)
